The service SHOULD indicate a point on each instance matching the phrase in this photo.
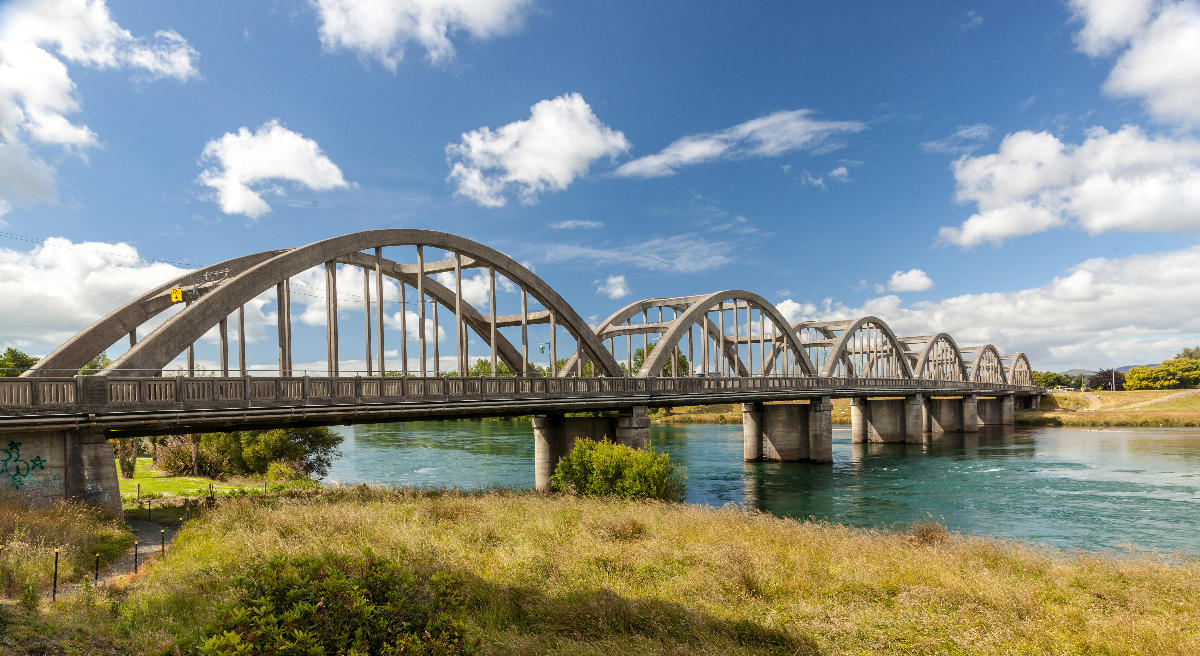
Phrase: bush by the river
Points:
(306, 450)
(604, 468)
(336, 604)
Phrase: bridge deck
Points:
(155, 405)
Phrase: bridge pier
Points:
(888, 420)
(788, 432)
(997, 411)
(41, 467)
(970, 413)
(554, 436)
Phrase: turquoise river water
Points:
(1077, 488)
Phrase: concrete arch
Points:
(840, 347)
(987, 366)
(95, 339)
(192, 322)
(931, 353)
(1020, 372)
(695, 314)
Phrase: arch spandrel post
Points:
(695, 313)
(929, 353)
(183, 329)
(839, 349)
(987, 363)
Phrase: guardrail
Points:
(94, 394)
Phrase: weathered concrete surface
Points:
(885, 420)
(631, 427)
(820, 429)
(945, 415)
(752, 418)
(785, 432)
(43, 467)
(970, 413)
(989, 411)
(858, 420)
(914, 419)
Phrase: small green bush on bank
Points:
(603, 469)
(341, 605)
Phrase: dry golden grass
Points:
(1143, 408)
(28, 538)
(575, 576)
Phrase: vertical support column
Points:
(287, 326)
(191, 359)
(281, 333)
(133, 337)
(1036, 402)
(547, 438)
(458, 321)
(524, 335)
(553, 344)
(366, 272)
(820, 429)
(914, 419)
(704, 341)
(737, 345)
(403, 330)
(492, 318)
(1008, 406)
(859, 416)
(242, 340)
(331, 322)
(723, 357)
(970, 413)
(752, 440)
(379, 308)
(633, 426)
(437, 355)
(223, 337)
(90, 471)
(421, 305)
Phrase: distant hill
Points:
(1127, 367)
(1075, 372)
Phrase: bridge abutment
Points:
(41, 467)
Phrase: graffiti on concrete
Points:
(17, 469)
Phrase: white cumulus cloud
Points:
(1123, 180)
(38, 40)
(1157, 46)
(238, 161)
(613, 287)
(546, 152)
(1103, 311)
(382, 28)
(768, 136)
(913, 280)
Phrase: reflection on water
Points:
(1076, 488)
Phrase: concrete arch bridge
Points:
(420, 308)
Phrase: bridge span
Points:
(731, 346)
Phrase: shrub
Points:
(29, 596)
(284, 472)
(309, 451)
(597, 469)
(341, 605)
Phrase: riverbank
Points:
(1101, 409)
(566, 575)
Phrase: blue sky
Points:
(1036, 163)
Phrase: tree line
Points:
(1180, 372)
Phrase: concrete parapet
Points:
(46, 466)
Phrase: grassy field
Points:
(28, 539)
(559, 575)
(1142, 408)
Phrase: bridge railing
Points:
(113, 394)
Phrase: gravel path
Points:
(150, 537)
